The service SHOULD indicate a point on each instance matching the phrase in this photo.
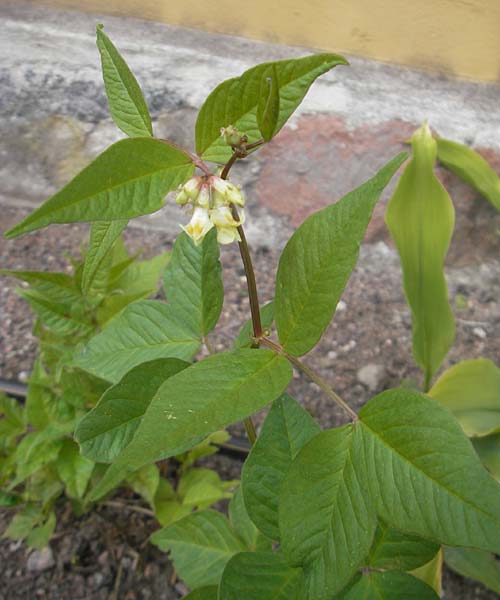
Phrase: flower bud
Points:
(192, 187)
(232, 136)
(182, 198)
(199, 225)
(203, 199)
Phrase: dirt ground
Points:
(105, 554)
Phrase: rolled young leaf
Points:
(126, 102)
(318, 260)
(207, 396)
(286, 429)
(420, 217)
(129, 179)
(471, 390)
(109, 427)
(235, 101)
(471, 167)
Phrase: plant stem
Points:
(319, 381)
(133, 507)
(250, 430)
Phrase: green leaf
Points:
(58, 318)
(471, 390)
(488, 449)
(200, 488)
(144, 331)
(200, 545)
(110, 426)
(193, 283)
(129, 179)
(207, 396)
(103, 235)
(287, 428)
(423, 474)
(244, 339)
(39, 536)
(204, 593)
(56, 287)
(268, 108)
(126, 102)
(74, 470)
(235, 101)
(112, 305)
(391, 585)
(326, 516)
(318, 260)
(145, 482)
(243, 525)
(23, 522)
(207, 447)
(393, 549)
(142, 276)
(420, 217)
(471, 167)
(260, 576)
(475, 564)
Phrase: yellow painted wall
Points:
(458, 37)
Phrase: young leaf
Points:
(55, 287)
(39, 536)
(235, 101)
(144, 331)
(268, 108)
(286, 429)
(423, 474)
(103, 235)
(201, 399)
(393, 549)
(318, 260)
(476, 564)
(488, 450)
(74, 469)
(471, 390)
(126, 102)
(200, 544)
(420, 217)
(326, 516)
(471, 167)
(260, 576)
(145, 482)
(243, 525)
(390, 585)
(193, 283)
(142, 276)
(244, 339)
(109, 427)
(57, 317)
(129, 179)
(23, 522)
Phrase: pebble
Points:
(371, 376)
(40, 560)
(479, 332)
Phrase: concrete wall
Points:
(456, 37)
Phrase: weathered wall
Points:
(458, 37)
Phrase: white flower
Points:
(225, 192)
(192, 187)
(203, 199)
(227, 225)
(199, 225)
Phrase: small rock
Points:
(332, 355)
(23, 376)
(479, 332)
(371, 376)
(341, 306)
(40, 560)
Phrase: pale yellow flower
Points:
(199, 225)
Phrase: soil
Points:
(105, 554)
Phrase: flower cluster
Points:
(213, 200)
